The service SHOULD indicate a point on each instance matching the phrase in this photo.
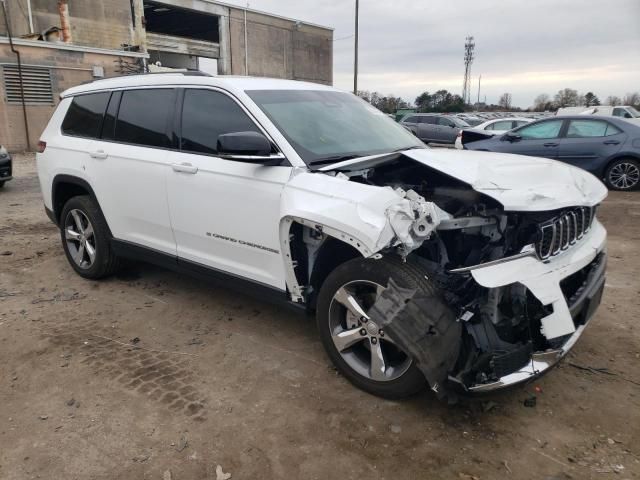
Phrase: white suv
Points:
(459, 270)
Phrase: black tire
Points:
(105, 262)
(1, 184)
(406, 275)
(613, 179)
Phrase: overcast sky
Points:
(525, 47)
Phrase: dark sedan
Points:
(5, 166)
(605, 146)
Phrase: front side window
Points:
(207, 115)
(429, 119)
(542, 130)
(84, 117)
(619, 112)
(519, 123)
(590, 128)
(325, 126)
(143, 117)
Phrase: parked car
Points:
(458, 270)
(471, 120)
(6, 166)
(432, 128)
(607, 147)
(491, 128)
(626, 112)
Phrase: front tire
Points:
(356, 346)
(86, 239)
(623, 175)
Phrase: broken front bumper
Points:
(543, 279)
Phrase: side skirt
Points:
(211, 275)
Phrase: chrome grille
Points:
(561, 232)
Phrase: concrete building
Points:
(65, 43)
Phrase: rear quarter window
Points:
(84, 117)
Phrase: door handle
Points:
(184, 168)
(550, 144)
(612, 142)
(99, 154)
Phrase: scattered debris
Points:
(43, 417)
(506, 466)
(167, 475)
(6, 253)
(488, 406)
(530, 401)
(466, 476)
(70, 402)
(182, 444)
(141, 458)
(220, 475)
(396, 428)
(135, 340)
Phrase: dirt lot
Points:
(220, 379)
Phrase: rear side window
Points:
(410, 120)
(428, 119)
(143, 117)
(206, 115)
(84, 117)
(445, 121)
(591, 128)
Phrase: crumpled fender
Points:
(371, 217)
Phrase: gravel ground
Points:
(221, 383)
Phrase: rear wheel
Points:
(1, 184)
(85, 239)
(358, 347)
(623, 174)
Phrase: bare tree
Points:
(567, 97)
(505, 101)
(613, 100)
(632, 99)
(542, 103)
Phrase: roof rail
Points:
(186, 73)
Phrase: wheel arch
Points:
(311, 251)
(65, 187)
(619, 156)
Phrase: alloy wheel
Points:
(624, 175)
(80, 238)
(362, 343)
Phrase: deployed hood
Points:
(518, 182)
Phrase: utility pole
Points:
(355, 58)
(469, 46)
(479, 79)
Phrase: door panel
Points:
(226, 215)
(540, 140)
(587, 142)
(130, 179)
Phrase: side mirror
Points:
(512, 137)
(244, 143)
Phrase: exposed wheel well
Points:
(315, 255)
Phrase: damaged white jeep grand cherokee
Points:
(463, 271)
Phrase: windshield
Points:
(633, 112)
(326, 126)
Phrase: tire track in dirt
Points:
(161, 377)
